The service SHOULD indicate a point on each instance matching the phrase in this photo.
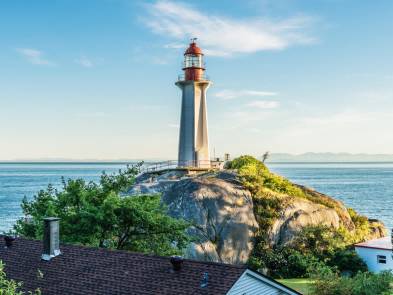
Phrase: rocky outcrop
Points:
(339, 207)
(221, 214)
(299, 214)
(155, 183)
(377, 229)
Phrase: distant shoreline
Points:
(72, 162)
(149, 162)
(273, 158)
(327, 162)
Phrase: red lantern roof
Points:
(193, 49)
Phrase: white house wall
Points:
(369, 256)
(250, 283)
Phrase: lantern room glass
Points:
(192, 60)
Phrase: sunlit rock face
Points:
(150, 183)
(221, 213)
(378, 229)
(341, 210)
(299, 214)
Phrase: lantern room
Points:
(193, 65)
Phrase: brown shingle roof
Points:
(82, 270)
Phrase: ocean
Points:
(366, 187)
(26, 179)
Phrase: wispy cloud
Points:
(264, 104)
(85, 62)
(92, 115)
(174, 45)
(159, 60)
(233, 94)
(250, 115)
(224, 36)
(349, 128)
(147, 107)
(172, 125)
(34, 56)
(143, 55)
(254, 130)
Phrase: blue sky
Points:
(95, 79)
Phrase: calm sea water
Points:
(368, 188)
(19, 180)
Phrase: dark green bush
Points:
(328, 282)
(284, 262)
(347, 261)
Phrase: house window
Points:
(381, 259)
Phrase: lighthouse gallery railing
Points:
(182, 77)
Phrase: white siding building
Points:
(252, 283)
(377, 254)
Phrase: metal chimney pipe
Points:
(177, 262)
(51, 238)
(8, 241)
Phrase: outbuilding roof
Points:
(381, 244)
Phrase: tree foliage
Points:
(96, 214)
(256, 176)
(328, 282)
(331, 246)
(314, 246)
(265, 156)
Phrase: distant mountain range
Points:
(274, 157)
(70, 160)
(330, 157)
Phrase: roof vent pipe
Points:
(177, 262)
(205, 280)
(51, 238)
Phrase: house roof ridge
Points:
(96, 248)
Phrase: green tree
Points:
(265, 156)
(328, 282)
(96, 214)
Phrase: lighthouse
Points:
(193, 137)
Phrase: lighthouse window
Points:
(193, 61)
(381, 259)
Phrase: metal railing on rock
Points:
(174, 164)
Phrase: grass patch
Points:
(301, 285)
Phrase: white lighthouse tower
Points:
(193, 139)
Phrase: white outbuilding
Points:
(377, 254)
